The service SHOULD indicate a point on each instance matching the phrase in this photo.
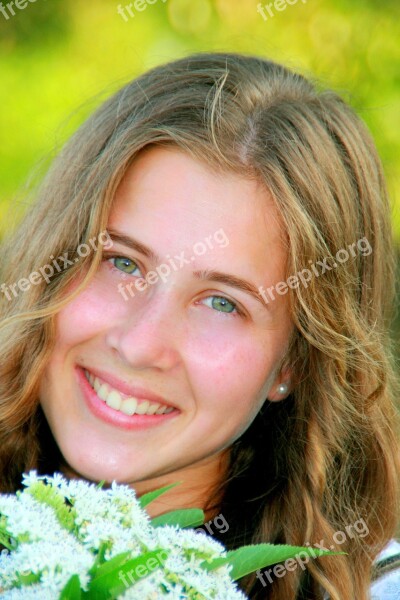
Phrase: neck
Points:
(197, 486)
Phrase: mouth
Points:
(119, 409)
(129, 405)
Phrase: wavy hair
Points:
(328, 455)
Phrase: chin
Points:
(96, 469)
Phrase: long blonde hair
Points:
(327, 456)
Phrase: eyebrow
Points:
(201, 275)
(231, 280)
(133, 244)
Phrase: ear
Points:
(285, 376)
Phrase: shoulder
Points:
(386, 574)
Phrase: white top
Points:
(387, 587)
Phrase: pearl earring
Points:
(282, 388)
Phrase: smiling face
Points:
(206, 348)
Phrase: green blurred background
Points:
(59, 59)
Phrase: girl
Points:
(205, 297)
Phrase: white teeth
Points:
(142, 407)
(114, 400)
(103, 392)
(128, 406)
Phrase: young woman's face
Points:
(205, 347)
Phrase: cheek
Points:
(88, 314)
(231, 372)
(229, 388)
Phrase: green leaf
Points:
(257, 556)
(109, 585)
(100, 484)
(72, 590)
(100, 558)
(111, 565)
(5, 540)
(28, 579)
(45, 494)
(150, 496)
(186, 517)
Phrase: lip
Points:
(114, 417)
(126, 390)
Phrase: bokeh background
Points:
(59, 59)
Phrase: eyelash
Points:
(237, 312)
(110, 257)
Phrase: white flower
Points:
(57, 481)
(27, 516)
(32, 592)
(183, 575)
(54, 561)
(55, 542)
(32, 477)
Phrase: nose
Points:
(147, 335)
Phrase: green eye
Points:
(222, 304)
(124, 264)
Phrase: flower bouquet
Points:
(71, 540)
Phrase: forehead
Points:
(170, 201)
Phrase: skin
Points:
(174, 338)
